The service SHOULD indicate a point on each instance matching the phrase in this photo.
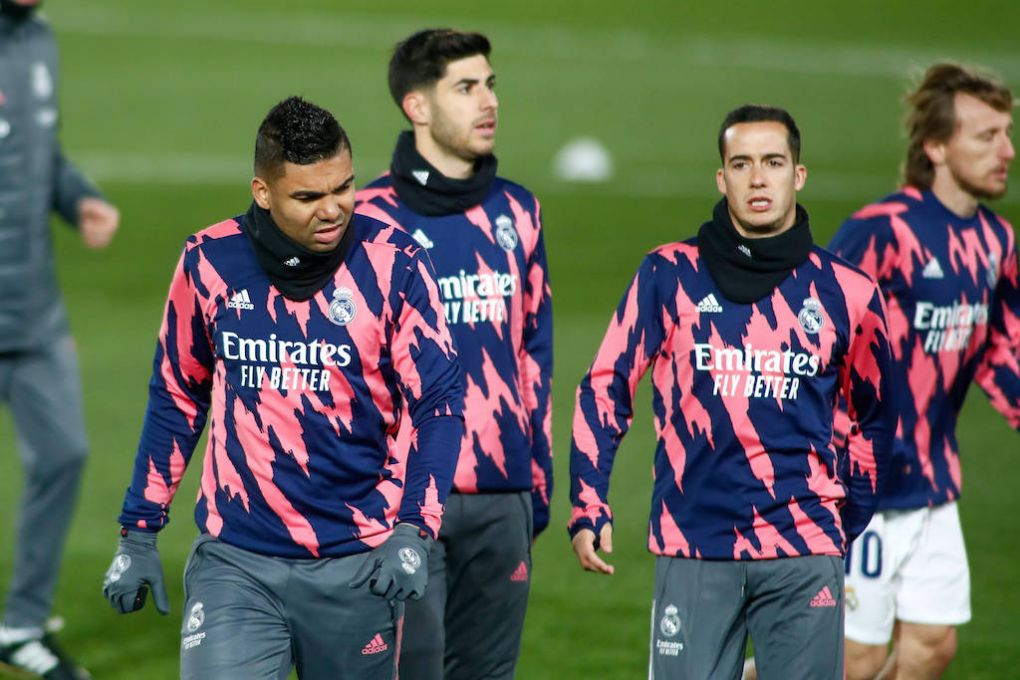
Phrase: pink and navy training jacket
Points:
(953, 297)
(303, 399)
(743, 400)
(493, 278)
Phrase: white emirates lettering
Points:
(755, 373)
(473, 298)
(948, 328)
(310, 361)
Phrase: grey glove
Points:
(399, 568)
(136, 567)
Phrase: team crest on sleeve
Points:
(810, 316)
(992, 275)
(342, 309)
(506, 235)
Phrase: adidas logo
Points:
(421, 238)
(824, 598)
(421, 175)
(292, 262)
(375, 645)
(240, 300)
(709, 304)
(745, 250)
(520, 574)
(933, 270)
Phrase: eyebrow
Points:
(474, 81)
(748, 157)
(309, 193)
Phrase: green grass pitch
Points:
(161, 102)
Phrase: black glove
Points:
(136, 567)
(399, 568)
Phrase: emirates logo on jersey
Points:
(283, 364)
(948, 328)
(755, 373)
(474, 298)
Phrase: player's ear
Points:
(720, 181)
(416, 107)
(936, 151)
(260, 192)
(799, 177)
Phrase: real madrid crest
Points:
(196, 617)
(670, 623)
(42, 83)
(342, 309)
(506, 235)
(810, 316)
(993, 269)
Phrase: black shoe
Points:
(41, 657)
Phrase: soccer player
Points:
(39, 377)
(751, 332)
(484, 235)
(306, 337)
(948, 268)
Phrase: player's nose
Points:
(1008, 151)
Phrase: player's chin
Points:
(483, 146)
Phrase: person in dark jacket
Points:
(39, 378)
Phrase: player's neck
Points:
(958, 200)
(448, 164)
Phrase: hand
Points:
(585, 548)
(399, 568)
(136, 567)
(97, 222)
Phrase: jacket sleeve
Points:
(536, 377)
(429, 378)
(179, 395)
(69, 187)
(999, 370)
(870, 244)
(871, 413)
(604, 406)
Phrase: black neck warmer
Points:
(15, 11)
(748, 269)
(427, 191)
(298, 273)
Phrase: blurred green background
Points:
(160, 105)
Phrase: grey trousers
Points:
(703, 611)
(254, 617)
(43, 390)
(468, 625)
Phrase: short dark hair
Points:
(420, 60)
(299, 132)
(932, 115)
(756, 113)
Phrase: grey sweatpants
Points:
(703, 611)
(254, 617)
(43, 390)
(468, 625)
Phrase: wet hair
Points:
(421, 59)
(756, 113)
(296, 131)
(932, 114)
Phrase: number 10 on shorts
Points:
(865, 555)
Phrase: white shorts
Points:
(908, 565)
